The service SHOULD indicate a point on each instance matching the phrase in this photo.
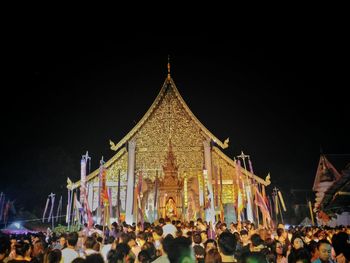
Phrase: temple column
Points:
(130, 184)
(210, 213)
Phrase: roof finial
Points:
(168, 67)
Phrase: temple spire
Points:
(168, 68)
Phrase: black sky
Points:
(279, 95)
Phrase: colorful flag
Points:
(260, 202)
(240, 190)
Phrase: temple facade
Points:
(171, 165)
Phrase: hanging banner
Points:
(185, 191)
(201, 193)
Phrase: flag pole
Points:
(311, 213)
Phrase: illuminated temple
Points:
(183, 170)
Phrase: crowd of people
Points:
(181, 242)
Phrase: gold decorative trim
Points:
(194, 118)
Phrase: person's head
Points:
(143, 257)
(150, 249)
(54, 256)
(209, 244)
(278, 248)
(213, 256)
(166, 242)
(38, 248)
(297, 242)
(340, 243)
(199, 253)
(72, 239)
(313, 249)
(5, 247)
(90, 242)
(94, 258)
(197, 239)
(256, 240)
(227, 243)
(21, 248)
(180, 250)
(244, 236)
(118, 254)
(280, 225)
(157, 232)
(280, 232)
(78, 260)
(324, 248)
(62, 241)
(255, 258)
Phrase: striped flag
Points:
(260, 202)
(240, 189)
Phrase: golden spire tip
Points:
(168, 67)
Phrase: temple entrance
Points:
(170, 189)
(170, 194)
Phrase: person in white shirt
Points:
(169, 228)
(69, 253)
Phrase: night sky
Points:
(278, 95)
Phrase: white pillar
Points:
(130, 186)
(210, 215)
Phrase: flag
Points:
(155, 197)
(90, 220)
(139, 199)
(326, 172)
(59, 209)
(240, 189)
(222, 214)
(51, 215)
(200, 190)
(46, 206)
(260, 202)
(103, 190)
(216, 188)
(185, 192)
(118, 198)
(6, 211)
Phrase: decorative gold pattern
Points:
(169, 121)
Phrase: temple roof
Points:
(168, 84)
